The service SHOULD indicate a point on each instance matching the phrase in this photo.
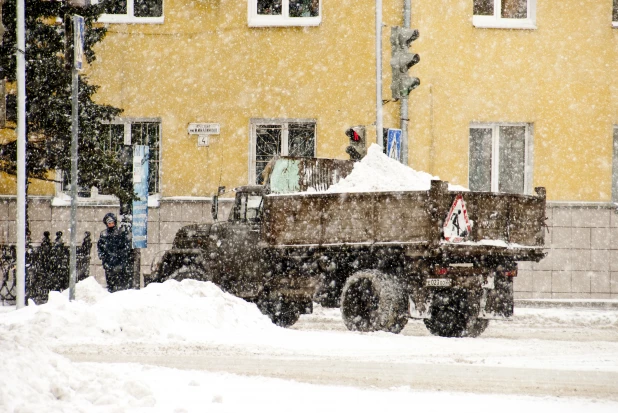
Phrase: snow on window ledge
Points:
(281, 21)
(123, 18)
(615, 25)
(490, 22)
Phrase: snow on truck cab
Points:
(324, 230)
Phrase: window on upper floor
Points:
(264, 13)
(504, 14)
(500, 158)
(615, 14)
(119, 134)
(132, 11)
(277, 137)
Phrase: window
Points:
(615, 14)
(132, 11)
(506, 14)
(284, 13)
(119, 134)
(248, 208)
(272, 137)
(500, 158)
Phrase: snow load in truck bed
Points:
(378, 172)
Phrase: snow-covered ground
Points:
(173, 320)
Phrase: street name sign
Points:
(204, 128)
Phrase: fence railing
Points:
(47, 268)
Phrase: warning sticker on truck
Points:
(457, 225)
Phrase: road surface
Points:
(555, 352)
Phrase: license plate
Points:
(438, 282)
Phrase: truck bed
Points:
(501, 223)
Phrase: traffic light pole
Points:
(379, 127)
(403, 109)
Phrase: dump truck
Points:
(447, 257)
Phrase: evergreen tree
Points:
(48, 98)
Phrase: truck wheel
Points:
(281, 311)
(373, 301)
(452, 315)
(192, 272)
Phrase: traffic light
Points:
(357, 148)
(401, 61)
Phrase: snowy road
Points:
(358, 373)
(554, 352)
(189, 347)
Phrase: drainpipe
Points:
(379, 125)
(403, 109)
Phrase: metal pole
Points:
(379, 127)
(403, 109)
(74, 134)
(21, 155)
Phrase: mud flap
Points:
(497, 298)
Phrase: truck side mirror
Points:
(214, 209)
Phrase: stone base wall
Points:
(163, 223)
(581, 241)
(582, 259)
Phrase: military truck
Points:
(447, 257)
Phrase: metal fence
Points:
(47, 268)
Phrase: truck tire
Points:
(281, 311)
(452, 315)
(374, 301)
(192, 272)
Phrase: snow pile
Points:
(151, 314)
(378, 172)
(34, 379)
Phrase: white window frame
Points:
(285, 147)
(129, 16)
(256, 20)
(497, 22)
(495, 153)
(95, 197)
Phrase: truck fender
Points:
(176, 259)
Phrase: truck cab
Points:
(232, 255)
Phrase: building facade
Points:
(514, 94)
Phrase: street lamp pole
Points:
(77, 23)
(21, 155)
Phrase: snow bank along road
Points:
(194, 326)
(558, 352)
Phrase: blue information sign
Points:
(78, 42)
(393, 144)
(140, 206)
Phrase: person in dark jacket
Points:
(114, 249)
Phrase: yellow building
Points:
(514, 94)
